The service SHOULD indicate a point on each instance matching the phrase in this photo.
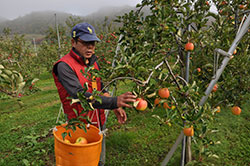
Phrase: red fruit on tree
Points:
(141, 104)
(215, 88)
(242, 6)
(236, 110)
(188, 131)
(163, 92)
(189, 46)
(157, 103)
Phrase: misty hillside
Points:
(38, 22)
(35, 22)
(2, 19)
(110, 12)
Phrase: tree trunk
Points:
(188, 150)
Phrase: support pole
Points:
(236, 41)
(103, 152)
(172, 150)
(226, 59)
(58, 37)
(34, 42)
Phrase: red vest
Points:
(76, 63)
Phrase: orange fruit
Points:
(236, 110)
(81, 141)
(235, 51)
(141, 105)
(188, 131)
(189, 46)
(165, 105)
(163, 92)
(242, 6)
(67, 141)
(215, 88)
(223, 2)
(157, 101)
(218, 109)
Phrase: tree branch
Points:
(141, 83)
(172, 74)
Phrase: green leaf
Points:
(75, 111)
(26, 162)
(34, 80)
(99, 99)
(20, 86)
(1, 66)
(74, 128)
(135, 103)
(64, 134)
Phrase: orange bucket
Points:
(69, 154)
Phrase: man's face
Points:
(86, 49)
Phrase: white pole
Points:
(34, 41)
(58, 37)
(218, 73)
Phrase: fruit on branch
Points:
(165, 105)
(223, 3)
(218, 109)
(215, 88)
(163, 93)
(235, 51)
(199, 69)
(81, 141)
(189, 46)
(188, 131)
(140, 104)
(241, 6)
(236, 110)
(157, 101)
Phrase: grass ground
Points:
(26, 137)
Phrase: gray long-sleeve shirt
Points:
(70, 82)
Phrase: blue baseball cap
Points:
(85, 32)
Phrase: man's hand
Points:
(121, 115)
(123, 99)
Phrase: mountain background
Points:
(35, 24)
(38, 22)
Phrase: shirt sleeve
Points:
(70, 82)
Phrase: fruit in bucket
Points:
(81, 141)
(67, 141)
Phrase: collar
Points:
(91, 60)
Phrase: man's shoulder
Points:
(62, 67)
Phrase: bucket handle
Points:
(103, 132)
(55, 129)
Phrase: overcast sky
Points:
(12, 9)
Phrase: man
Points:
(69, 80)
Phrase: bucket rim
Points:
(79, 145)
